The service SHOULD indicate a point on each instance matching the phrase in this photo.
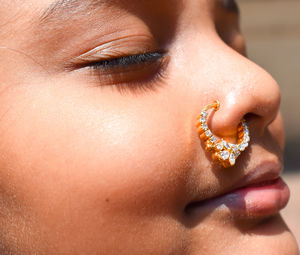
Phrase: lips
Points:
(260, 191)
(255, 200)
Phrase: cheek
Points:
(86, 162)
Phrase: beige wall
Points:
(272, 31)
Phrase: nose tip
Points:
(258, 103)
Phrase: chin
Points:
(271, 236)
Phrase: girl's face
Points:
(99, 148)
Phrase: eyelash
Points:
(128, 60)
(142, 71)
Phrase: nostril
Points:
(251, 117)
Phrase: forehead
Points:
(54, 14)
(60, 11)
(53, 8)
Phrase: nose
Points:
(244, 90)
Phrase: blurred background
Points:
(272, 32)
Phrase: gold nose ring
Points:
(222, 151)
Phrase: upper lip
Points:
(263, 172)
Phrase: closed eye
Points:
(135, 72)
(128, 61)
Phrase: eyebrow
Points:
(65, 9)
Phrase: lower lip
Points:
(260, 200)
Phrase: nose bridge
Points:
(243, 89)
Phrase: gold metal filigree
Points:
(222, 151)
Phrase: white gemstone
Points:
(204, 113)
(234, 148)
(208, 133)
(246, 132)
(204, 126)
(213, 139)
(226, 145)
(231, 145)
(246, 139)
(224, 155)
(232, 159)
(202, 120)
(243, 146)
(237, 153)
(219, 146)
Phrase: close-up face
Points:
(100, 151)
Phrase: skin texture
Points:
(105, 161)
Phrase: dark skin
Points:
(99, 148)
